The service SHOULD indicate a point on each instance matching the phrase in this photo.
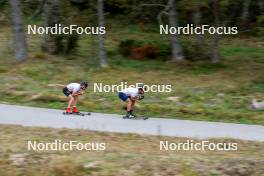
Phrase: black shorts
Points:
(66, 91)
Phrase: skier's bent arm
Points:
(78, 93)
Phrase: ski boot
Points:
(74, 110)
(68, 111)
(129, 115)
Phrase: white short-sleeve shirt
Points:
(73, 87)
(132, 92)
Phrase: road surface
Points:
(40, 117)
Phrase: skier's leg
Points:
(71, 99)
(132, 108)
(129, 104)
(75, 100)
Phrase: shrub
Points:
(40, 55)
(60, 44)
(162, 50)
(193, 51)
(260, 28)
(147, 51)
(126, 47)
(138, 50)
(72, 44)
(165, 50)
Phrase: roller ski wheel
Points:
(74, 113)
(134, 118)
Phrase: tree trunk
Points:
(261, 6)
(100, 8)
(19, 38)
(216, 38)
(177, 54)
(245, 14)
(52, 43)
(216, 55)
(197, 18)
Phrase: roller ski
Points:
(75, 112)
(132, 116)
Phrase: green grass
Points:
(125, 154)
(206, 91)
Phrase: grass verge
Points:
(125, 154)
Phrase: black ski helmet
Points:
(84, 83)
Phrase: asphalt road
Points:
(40, 117)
